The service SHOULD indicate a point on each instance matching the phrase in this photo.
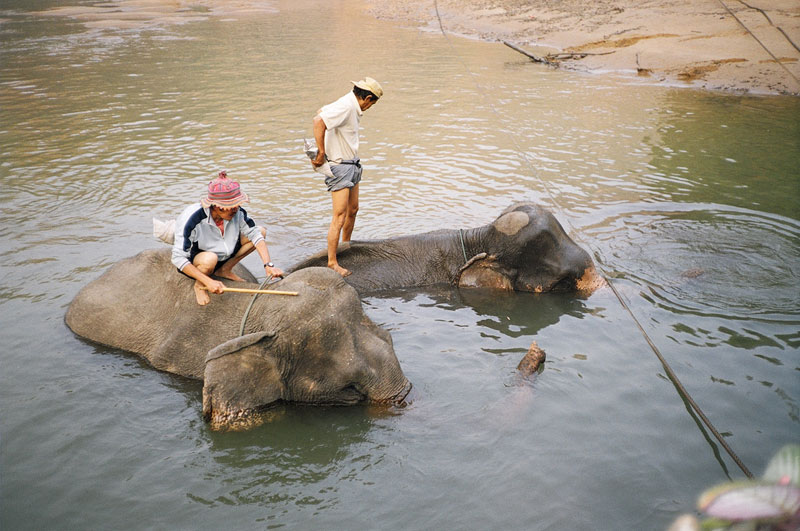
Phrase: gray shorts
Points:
(346, 174)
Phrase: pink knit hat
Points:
(224, 193)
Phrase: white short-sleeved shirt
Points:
(341, 121)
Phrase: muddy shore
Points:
(728, 45)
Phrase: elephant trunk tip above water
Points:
(524, 249)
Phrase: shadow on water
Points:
(479, 334)
(271, 465)
(300, 446)
(510, 314)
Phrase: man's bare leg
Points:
(226, 271)
(340, 199)
(205, 262)
(350, 217)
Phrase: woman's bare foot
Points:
(230, 275)
(201, 294)
(339, 269)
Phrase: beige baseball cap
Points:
(371, 85)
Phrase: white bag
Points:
(164, 230)
(311, 151)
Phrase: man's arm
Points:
(214, 286)
(263, 252)
(255, 235)
(319, 136)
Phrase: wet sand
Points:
(700, 44)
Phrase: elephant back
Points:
(143, 305)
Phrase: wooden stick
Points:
(579, 55)
(528, 54)
(264, 291)
(550, 59)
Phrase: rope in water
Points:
(684, 394)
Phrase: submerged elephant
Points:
(318, 347)
(524, 249)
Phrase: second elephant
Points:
(524, 249)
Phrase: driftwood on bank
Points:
(553, 58)
(528, 54)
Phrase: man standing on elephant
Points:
(215, 235)
(336, 134)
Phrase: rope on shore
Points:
(731, 13)
(771, 23)
(684, 394)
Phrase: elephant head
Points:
(333, 355)
(526, 249)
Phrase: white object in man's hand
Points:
(312, 152)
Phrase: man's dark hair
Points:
(362, 93)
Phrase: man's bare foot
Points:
(339, 269)
(201, 294)
(230, 275)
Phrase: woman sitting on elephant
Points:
(215, 235)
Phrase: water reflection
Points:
(700, 155)
(510, 315)
(296, 459)
(148, 15)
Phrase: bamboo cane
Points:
(259, 291)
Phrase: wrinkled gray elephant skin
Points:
(524, 249)
(316, 348)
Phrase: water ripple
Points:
(706, 259)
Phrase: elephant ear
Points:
(483, 271)
(241, 377)
(236, 344)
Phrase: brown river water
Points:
(687, 200)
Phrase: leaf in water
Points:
(784, 467)
(750, 500)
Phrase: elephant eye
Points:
(351, 392)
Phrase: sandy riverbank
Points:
(698, 43)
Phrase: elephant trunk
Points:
(590, 281)
(579, 272)
(391, 394)
(239, 382)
